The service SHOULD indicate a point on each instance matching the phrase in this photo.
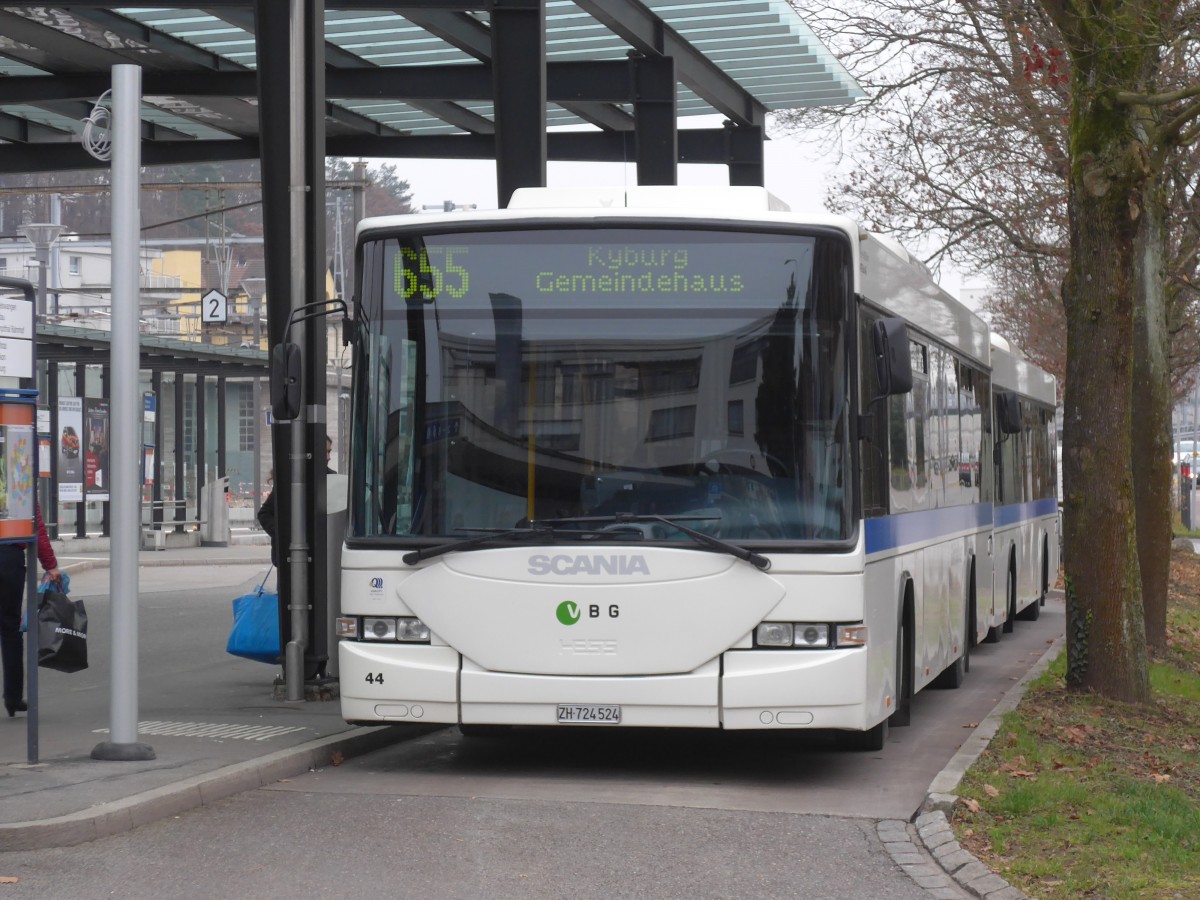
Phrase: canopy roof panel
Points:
(397, 69)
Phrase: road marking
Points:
(212, 730)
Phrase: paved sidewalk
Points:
(211, 718)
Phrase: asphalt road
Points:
(537, 814)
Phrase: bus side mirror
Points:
(285, 381)
(893, 366)
(1008, 412)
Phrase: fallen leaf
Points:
(336, 759)
(972, 805)
(1161, 779)
(990, 791)
(971, 725)
(9, 879)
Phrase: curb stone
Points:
(933, 835)
(123, 815)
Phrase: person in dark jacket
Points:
(266, 512)
(12, 591)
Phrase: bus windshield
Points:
(514, 375)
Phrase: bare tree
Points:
(967, 135)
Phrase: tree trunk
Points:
(1106, 638)
(1151, 415)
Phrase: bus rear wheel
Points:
(1033, 611)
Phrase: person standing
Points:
(12, 590)
(266, 512)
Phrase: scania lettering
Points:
(588, 565)
(674, 457)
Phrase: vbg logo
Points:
(569, 612)
(377, 584)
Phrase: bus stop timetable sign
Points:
(16, 337)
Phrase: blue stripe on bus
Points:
(890, 532)
(1022, 512)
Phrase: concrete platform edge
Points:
(131, 812)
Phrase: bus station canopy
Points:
(408, 79)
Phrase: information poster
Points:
(44, 442)
(17, 446)
(95, 459)
(70, 449)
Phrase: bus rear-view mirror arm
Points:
(893, 365)
(287, 366)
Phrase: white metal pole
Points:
(125, 406)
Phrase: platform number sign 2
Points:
(214, 307)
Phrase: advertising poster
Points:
(17, 444)
(44, 442)
(69, 442)
(95, 456)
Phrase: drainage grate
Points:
(210, 730)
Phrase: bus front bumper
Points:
(757, 689)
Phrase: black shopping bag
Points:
(62, 633)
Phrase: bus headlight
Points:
(401, 629)
(774, 634)
(412, 630)
(811, 635)
(377, 628)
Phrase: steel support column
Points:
(156, 493)
(180, 457)
(519, 94)
(222, 428)
(654, 116)
(292, 149)
(52, 511)
(744, 146)
(105, 505)
(81, 506)
(201, 448)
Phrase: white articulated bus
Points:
(650, 457)
(1026, 521)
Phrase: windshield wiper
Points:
(541, 528)
(675, 522)
(469, 543)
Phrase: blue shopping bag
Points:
(255, 633)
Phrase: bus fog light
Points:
(346, 627)
(852, 636)
(774, 634)
(412, 630)
(379, 629)
(810, 635)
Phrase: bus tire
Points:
(864, 741)
(1011, 593)
(484, 731)
(1033, 611)
(903, 712)
(874, 738)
